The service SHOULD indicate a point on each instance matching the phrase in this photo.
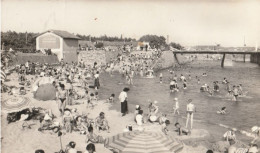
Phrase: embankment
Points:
(22, 58)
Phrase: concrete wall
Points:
(255, 58)
(89, 57)
(70, 47)
(22, 58)
(101, 56)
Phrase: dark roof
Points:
(62, 34)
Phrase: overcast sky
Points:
(197, 22)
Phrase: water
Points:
(243, 114)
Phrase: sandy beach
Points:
(15, 138)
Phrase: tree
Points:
(99, 45)
(154, 41)
(176, 45)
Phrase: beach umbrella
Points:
(3, 76)
(15, 104)
(143, 141)
(45, 92)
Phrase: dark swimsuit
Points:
(62, 99)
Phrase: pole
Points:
(60, 144)
(223, 59)
(26, 37)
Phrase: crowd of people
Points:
(80, 81)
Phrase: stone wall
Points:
(167, 60)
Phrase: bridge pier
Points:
(244, 58)
(223, 60)
(175, 57)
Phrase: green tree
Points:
(99, 45)
(154, 40)
(176, 45)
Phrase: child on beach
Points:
(70, 148)
(111, 98)
(93, 137)
(101, 122)
(176, 108)
(90, 148)
(67, 121)
(96, 96)
(89, 100)
(139, 118)
(164, 127)
(181, 130)
(230, 135)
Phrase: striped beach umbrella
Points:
(15, 104)
(3, 76)
(143, 142)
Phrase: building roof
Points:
(62, 34)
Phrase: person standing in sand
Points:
(176, 108)
(123, 99)
(190, 110)
(62, 95)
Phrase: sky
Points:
(188, 22)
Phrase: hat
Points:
(67, 113)
(47, 117)
(176, 99)
(137, 106)
(153, 118)
(255, 128)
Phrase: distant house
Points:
(143, 46)
(61, 43)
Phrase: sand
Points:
(16, 139)
(19, 140)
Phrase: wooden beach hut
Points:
(61, 43)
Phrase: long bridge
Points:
(255, 58)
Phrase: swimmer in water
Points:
(161, 76)
(225, 81)
(222, 111)
(184, 84)
(235, 93)
(189, 77)
(240, 89)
